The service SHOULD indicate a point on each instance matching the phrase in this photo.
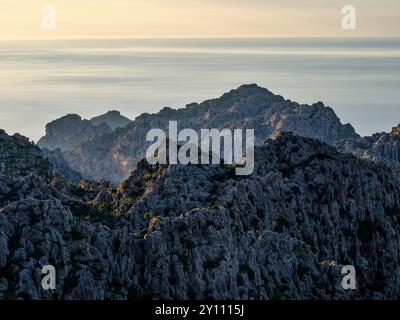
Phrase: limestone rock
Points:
(200, 232)
(113, 156)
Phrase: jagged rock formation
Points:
(386, 145)
(71, 130)
(180, 232)
(19, 157)
(113, 119)
(113, 156)
(380, 147)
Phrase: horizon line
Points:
(197, 37)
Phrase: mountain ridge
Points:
(112, 118)
(70, 130)
(113, 155)
(200, 232)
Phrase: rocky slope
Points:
(71, 130)
(59, 164)
(113, 156)
(181, 232)
(380, 147)
(19, 157)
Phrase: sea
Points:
(41, 80)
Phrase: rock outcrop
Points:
(386, 145)
(71, 130)
(200, 232)
(19, 157)
(380, 148)
(113, 119)
(113, 156)
(59, 164)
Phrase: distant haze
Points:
(197, 18)
(156, 53)
(44, 80)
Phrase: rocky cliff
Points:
(59, 164)
(19, 157)
(113, 156)
(71, 130)
(200, 232)
(380, 148)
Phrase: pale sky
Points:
(197, 18)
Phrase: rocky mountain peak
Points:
(395, 131)
(16, 139)
(242, 99)
(20, 157)
(3, 134)
(113, 156)
(71, 130)
(113, 119)
(247, 90)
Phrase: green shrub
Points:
(127, 202)
(103, 205)
(154, 221)
(148, 176)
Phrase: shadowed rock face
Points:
(386, 145)
(60, 165)
(113, 119)
(201, 232)
(113, 156)
(19, 157)
(380, 148)
(69, 131)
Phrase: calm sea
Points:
(43, 80)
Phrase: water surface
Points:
(43, 80)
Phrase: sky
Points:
(21, 19)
